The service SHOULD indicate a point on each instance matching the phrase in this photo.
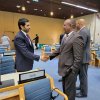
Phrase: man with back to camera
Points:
(24, 48)
(85, 33)
(70, 57)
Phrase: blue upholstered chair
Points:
(47, 50)
(3, 47)
(38, 90)
(2, 51)
(57, 46)
(41, 89)
(9, 53)
(7, 65)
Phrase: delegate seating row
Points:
(95, 55)
(40, 89)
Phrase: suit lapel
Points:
(26, 39)
(66, 41)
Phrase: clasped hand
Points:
(44, 57)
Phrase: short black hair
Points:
(22, 22)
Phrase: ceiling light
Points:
(41, 10)
(18, 6)
(51, 13)
(23, 8)
(72, 16)
(28, 1)
(35, 0)
(78, 6)
(59, 8)
(81, 12)
(35, 9)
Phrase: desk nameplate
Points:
(30, 76)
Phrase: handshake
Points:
(44, 57)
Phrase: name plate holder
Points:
(31, 76)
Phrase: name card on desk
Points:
(31, 76)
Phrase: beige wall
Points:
(48, 29)
(97, 30)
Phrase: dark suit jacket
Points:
(85, 33)
(61, 37)
(36, 39)
(24, 53)
(70, 54)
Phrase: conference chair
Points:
(46, 50)
(9, 53)
(42, 89)
(57, 46)
(7, 65)
(2, 51)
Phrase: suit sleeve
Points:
(85, 35)
(21, 46)
(56, 53)
(78, 53)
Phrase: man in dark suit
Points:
(85, 33)
(36, 41)
(70, 57)
(24, 49)
(61, 37)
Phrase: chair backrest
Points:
(7, 65)
(2, 51)
(57, 46)
(3, 47)
(9, 53)
(38, 90)
(47, 49)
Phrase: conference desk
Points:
(14, 76)
(17, 92)
(10, 89)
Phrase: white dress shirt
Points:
(26, 36)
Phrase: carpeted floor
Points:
(51, 67)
